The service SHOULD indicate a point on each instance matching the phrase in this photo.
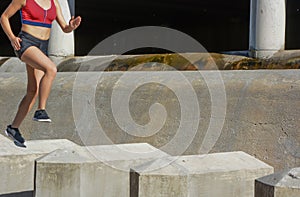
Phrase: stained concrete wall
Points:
(261, 114)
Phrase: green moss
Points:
(174, 61)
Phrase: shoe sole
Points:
(16, 142)
(41, 120)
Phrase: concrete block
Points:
(91, 171)
(220, 174)
(14, 65)
(3, 60)
(17, 164)
(281, 184)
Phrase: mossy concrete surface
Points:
(161, 62)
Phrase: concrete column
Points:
(61, 44)
(72, 7)
(267, 27)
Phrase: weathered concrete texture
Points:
(286, 183)
(221, 174)
(91, 171)
(17, 164)
(262, 110)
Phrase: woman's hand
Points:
(74, 22)
(16, 43)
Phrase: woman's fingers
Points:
(16, 43)
(75, 22)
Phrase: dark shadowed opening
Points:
(217, 24)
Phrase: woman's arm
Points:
(13, 7)
(73, 23)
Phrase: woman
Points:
(31, 47)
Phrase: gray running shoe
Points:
(41, 116)
(15, 135)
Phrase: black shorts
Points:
(28, 41)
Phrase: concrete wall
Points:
(260, 111)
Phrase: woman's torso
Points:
(37, 17)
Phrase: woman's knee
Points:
(51, 70)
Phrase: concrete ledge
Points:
(91, 171)
(13, 64)
(17, 164)
(286, 183)
(222, 174)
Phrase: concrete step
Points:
(280, 184)
(17, 164)
(101, 171)
(60, 168)
(230, 174)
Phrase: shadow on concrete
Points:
(19, 194)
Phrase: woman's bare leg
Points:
(38, 60)
(33, 80)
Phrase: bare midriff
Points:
(42, 33)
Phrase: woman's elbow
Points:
(2, 19)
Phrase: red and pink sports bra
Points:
(33, 14)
